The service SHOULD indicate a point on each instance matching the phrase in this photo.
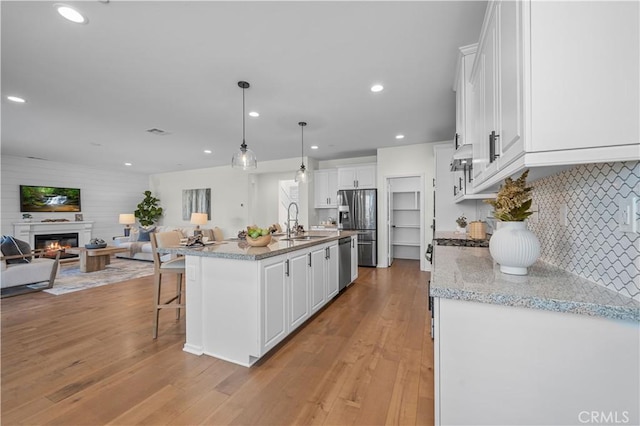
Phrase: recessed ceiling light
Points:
(128, 164)
(16, 99)
(314, 146)
(399, 136)
(254, 114)
(207, 151)
(69, 13)
(377, 88)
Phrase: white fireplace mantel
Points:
(27, 231)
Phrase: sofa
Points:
(139, 244)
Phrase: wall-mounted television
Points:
(49, 199)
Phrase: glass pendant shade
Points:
(302, 175)
(244, 158)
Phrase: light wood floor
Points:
(87, 358)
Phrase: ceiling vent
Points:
(157, 132)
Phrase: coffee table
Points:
(92, 260)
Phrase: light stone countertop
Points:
(240, 250)
(469, 273)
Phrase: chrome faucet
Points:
(289, 219)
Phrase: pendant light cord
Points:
(243, 142)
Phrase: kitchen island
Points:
(241, 301)
(545, 348)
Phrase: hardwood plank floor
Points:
(87, 358)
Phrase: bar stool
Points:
(173, 266)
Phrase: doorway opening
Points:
(405, 219)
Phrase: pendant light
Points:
(302, 175)
(244, 157)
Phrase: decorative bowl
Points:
(263, 241)
(95, 246)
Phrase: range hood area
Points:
(462, 156)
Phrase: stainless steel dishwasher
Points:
(344, 249)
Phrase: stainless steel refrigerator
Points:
(357, 211)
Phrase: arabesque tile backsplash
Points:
(591, 246)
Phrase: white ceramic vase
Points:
(514, 247)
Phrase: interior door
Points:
(389, 224)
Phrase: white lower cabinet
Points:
(354, 258)
(298, 273)
(505, 365)
(317, 278)
(333, 270)
(274, 302)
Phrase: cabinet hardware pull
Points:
(460, 183)
(286, 267)
(456, 141)
(492, 146)
(455, 190)
(309, 259)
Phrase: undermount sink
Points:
(303, 238)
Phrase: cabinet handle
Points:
(470, 170)
(309, 259)
(354, 183)
(460, 183)
(327, 254)
(286, 267)
(353, 243)
(492, 146)
(455, 190)
(456, 141)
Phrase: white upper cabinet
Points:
(555, 84)
(464, 100)
(326, 188)
(357, 177)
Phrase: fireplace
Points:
(52, 243)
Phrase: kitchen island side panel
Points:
(500, 365)
(227, 294)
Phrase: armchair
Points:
(20, 278)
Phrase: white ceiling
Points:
(93, 90)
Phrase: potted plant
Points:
(148, 210)
(512, 245)
(462, 224)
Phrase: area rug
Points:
(70, 278)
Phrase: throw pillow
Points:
(143, 234)
(12, 247)
(217, 233)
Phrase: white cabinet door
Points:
(333, 271)
(332, 188)
(274, 324)
(357, 177)
(366, 177)
(511, 90)
(347, 177)
(317, 278)
(354, 258)
(326, 188)
(298, 282)
(321, 188)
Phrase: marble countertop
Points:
(469, 273)
(240, 250)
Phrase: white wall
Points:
(104, 194)
(238, 198)
(408, 160)
(332, 164)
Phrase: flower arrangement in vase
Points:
(512, 245)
